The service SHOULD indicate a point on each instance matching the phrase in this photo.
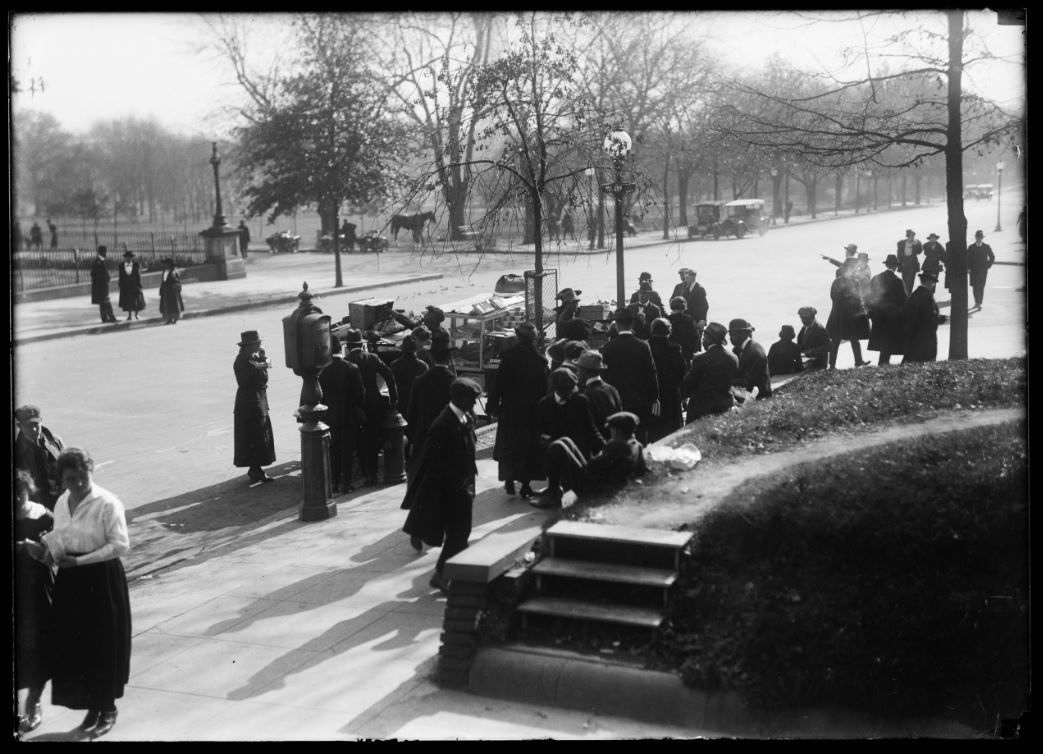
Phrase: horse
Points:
(414, 223)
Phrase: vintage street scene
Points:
(522, 375)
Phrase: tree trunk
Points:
(682, 197)
(916, 187)
(666, 199)
(810, 189)
(956, 264)
(536, 212)
(838, 189)
(455, 198)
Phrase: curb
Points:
(275, 300)
(570, 680)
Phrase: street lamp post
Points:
(774, 195)
(786, 209)
(219, 217)
(618, 144)
(999, 193)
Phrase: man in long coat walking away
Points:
(100, 286)
(979, 259)
(516, 391)
(886, 303)
(345, 400)
(440, 497)
(254, 442)
(371, 366)
(632, 372)
(921, 322)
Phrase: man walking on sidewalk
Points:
(979, 259)
(100, 286)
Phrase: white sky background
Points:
(105, 66)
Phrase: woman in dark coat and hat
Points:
(514, 395)
(170, 302)
(671, 367)
(132, 297)
(254, 443)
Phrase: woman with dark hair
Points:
(34, 586)
(91, 609)
(170, 302)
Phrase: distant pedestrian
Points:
(933, 256)
(35, 237)
(646, 293)
(708, 383)
(54, 234)
(254, 442)
(789, 211)
(440, 496)
(244, 239)
(908, 253)
(170, 302)
(979, 260)
(132, 295)
(784, 355)
(671, 367)
(347, 230)
(1021, 223)
(36, 450)
(921, 322)
(886, 304)
(513, 398)
(33, 592)
(753, 377)
(91, 624)
(631, 370)
(345, 399)
(567, 227)
(372, 367)
(813, 339)
(100, 285)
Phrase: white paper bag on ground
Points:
(681, 458)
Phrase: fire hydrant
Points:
(394, 427)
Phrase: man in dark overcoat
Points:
(429, 396)
(565, 413)
(709, 379)
(646, 293)
(345, 399)
(671, 367)
(813, 339)
(132, 296)
(254, 442)
(604, 399)
(631, 371)
(933, 255)
(979, 259)
(921, 322)
(513, 399)
(683, 331)
(753, 361)
(886, 302)
(100, 286)
(696, 303)
(36, 450)
(908, 253)
(440, 496)
(406, 368)
(377, 405)
(244, 239)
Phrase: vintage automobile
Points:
(372, 241)
(707, 219)
(282, 242)
(742, 216)
(983, 191)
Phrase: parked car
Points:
(983, 191)
(707, 220)
(282, 242)
(743, 216)
(372, 241)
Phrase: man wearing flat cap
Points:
(36, 450)
(709, 379)
(886, 303)
(753, 377)
(908, 253)
(921, 322)
(631, 371)
(440, 496)
(813, 339)
(565, 413)
(849, 259)
(514, 395)
(605, 473)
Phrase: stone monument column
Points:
(222, 240)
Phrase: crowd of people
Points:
(72, 615)
(131, 290)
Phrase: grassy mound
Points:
(825, 403)
(893, 581)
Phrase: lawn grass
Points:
(893, 581)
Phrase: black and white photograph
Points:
(519, 375)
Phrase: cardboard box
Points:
(366, 313)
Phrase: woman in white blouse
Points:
(91, 609)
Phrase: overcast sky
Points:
(101, 66)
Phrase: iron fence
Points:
(70, 263)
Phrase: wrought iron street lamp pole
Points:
(999, 194)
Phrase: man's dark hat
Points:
(567, 294)
(408, 344)
(787, 332)
(592, 360)
(525, 330)
(624, 421)
(979, 233)
(623, 315)
(564, 379)
(353, 336)
(891, 260)
(716, 331)
(807, 311)
(433, 312)
(644, 276)
(249, 338)
(739, 324)
(103, 249)
(464, 387)
(932, 236)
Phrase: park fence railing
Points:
(70, 263)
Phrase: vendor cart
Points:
(481, 327)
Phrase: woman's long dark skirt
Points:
(91, 632)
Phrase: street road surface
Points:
(154, 405)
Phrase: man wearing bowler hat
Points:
(254, 442)
(886, 304)
(921, 322)
(709, 379)
(371, 366)
(520, 382)
(631, 371)
(908, 253)
(604, 399)
(979, 259)
(645, 293)
(753, 375)
(100, 286)
(440, 496)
